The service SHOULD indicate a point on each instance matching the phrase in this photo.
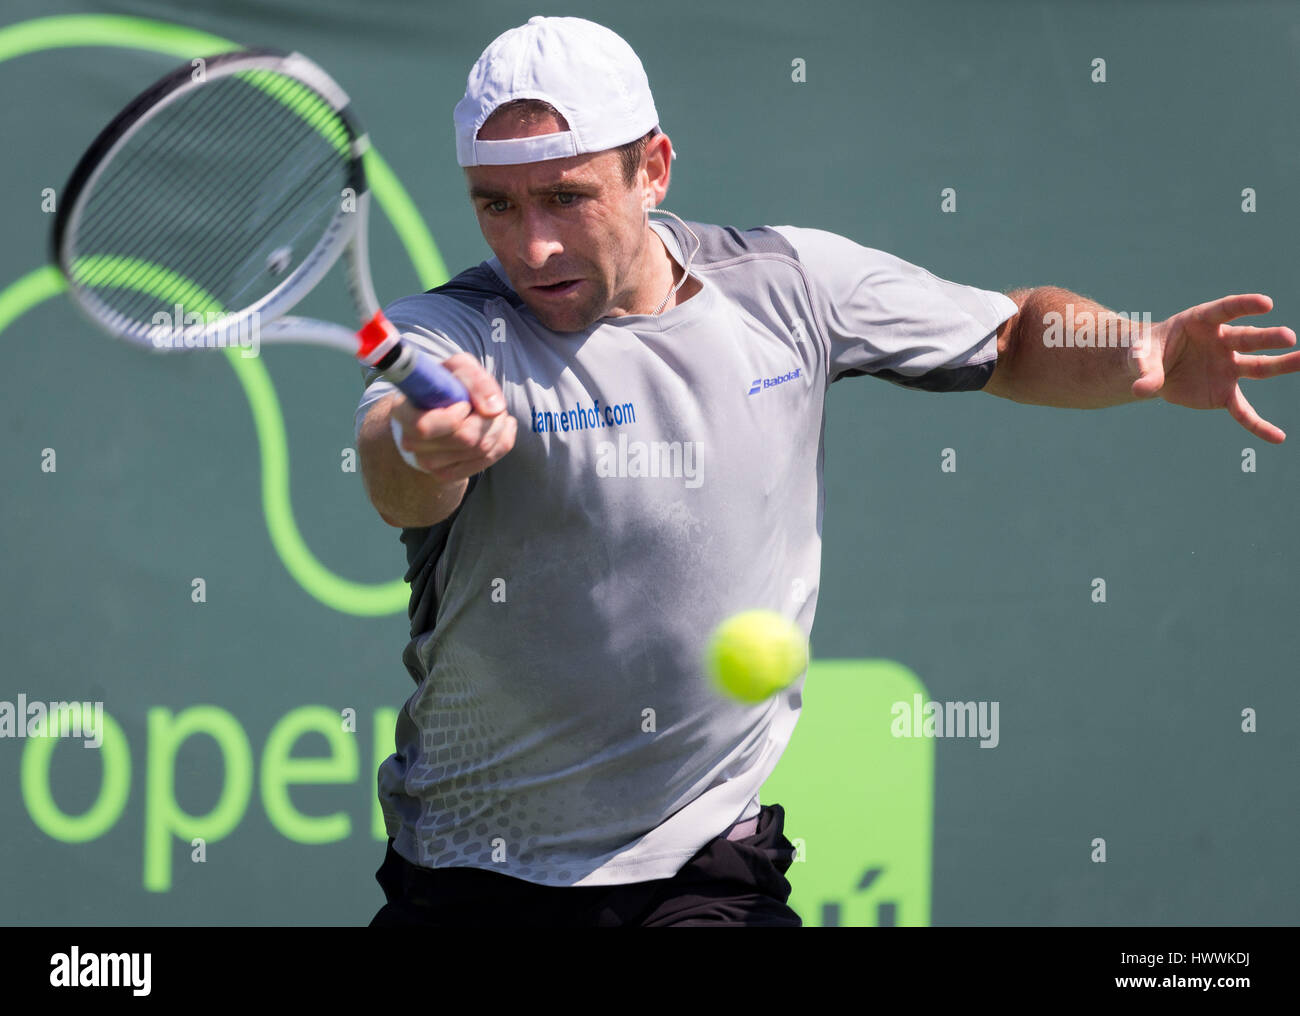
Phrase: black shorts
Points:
(733, 883)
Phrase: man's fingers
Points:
(494, 432)
(1216, 312)
(483, 389)
(429, 423)
(472, 431)
(1259, 367)
(479, 441)
(446, 468)
(462, 439)
(484, 393)
(1248, 338)
(1244, 413)
(498, 439)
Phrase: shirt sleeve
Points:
(428, 321)
(896, 321)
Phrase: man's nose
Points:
(539, 240)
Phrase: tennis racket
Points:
(215, 201)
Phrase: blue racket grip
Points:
(423, 380)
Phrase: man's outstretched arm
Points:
(1062, 349)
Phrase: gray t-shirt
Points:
(667, 473)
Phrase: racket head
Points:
(213, 201)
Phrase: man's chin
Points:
(570, 319)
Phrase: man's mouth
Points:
(559, 288)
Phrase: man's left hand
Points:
(1195, 359)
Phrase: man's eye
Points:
(492, 206)
(561, 195)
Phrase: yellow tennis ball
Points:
(755, 653)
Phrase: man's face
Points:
(568, 220)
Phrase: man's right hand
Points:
(457, 441)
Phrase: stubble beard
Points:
(576, 318)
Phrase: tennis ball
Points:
(755, 653)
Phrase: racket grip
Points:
(423, 380)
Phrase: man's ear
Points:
(658, 148)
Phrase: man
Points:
(641, 459)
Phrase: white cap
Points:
(588, 73)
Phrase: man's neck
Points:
(692, 285)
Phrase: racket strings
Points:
(227, 128)
(166, 158)
(303, 181)
(210, 194)
(162, 132)
(148, 207)
(161, 159)
(236, 297)
(228, 208)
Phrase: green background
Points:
(1119, 721)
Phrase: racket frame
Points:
(345, 233)
(377, 343)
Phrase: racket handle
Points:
(423, 380)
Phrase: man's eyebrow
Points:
(479, 193)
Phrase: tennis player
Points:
(641, 459)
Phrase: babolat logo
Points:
(760, 383)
